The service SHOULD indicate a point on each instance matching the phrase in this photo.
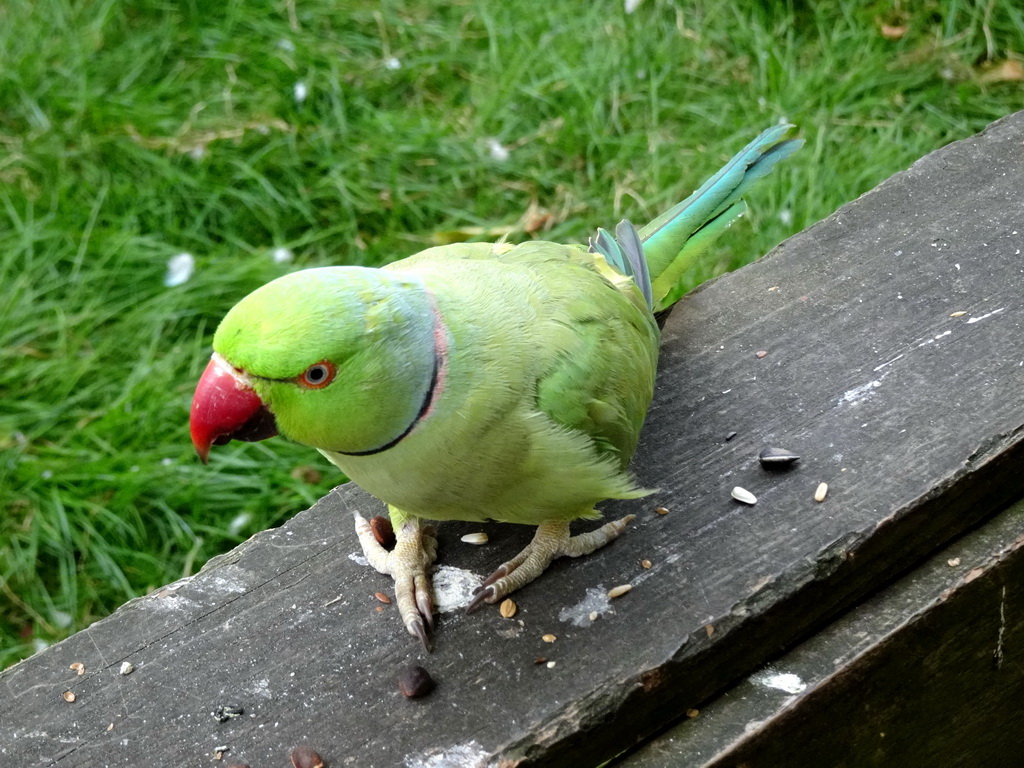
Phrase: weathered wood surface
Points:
(929, 672)
(912, 416)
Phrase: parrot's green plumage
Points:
(475, 381)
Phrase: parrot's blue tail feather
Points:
(625, 253)
(677, 237)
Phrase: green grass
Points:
(132, 131)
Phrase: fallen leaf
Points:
(536, 218)
(1009, 71)
(306, 474)
(893, 31)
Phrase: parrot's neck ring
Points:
(434, 390)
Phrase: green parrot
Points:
(473, 381)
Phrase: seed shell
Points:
(645, 564)
(619, 591)
(225, 712)
(382, 597)
(382, 531)
(69, 696)
(304, 757)
(475, 538)
(661, 510)
(548, 638)
(508, 608)
(744, 496)
(126, 668)
(79, 668)
(820, 492)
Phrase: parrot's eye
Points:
(318, 375)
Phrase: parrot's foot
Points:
(551, 541)
(415, 549)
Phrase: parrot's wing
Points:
(600, 367)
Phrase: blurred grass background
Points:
(359, 132)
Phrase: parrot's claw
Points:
(481, 595)
(503, 570)
(551, 541)
(416, 629)
(415, 549)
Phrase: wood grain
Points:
(928, 672)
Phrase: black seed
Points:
(414, 682)
(773, 458)
(730, 436)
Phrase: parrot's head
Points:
(339, 358)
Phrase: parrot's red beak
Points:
(226, 408)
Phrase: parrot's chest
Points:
(437, 475)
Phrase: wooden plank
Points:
(909, 414)
(928, 672)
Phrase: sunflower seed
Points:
(819, 493)
(475, 538)
(619, 591)
(743, 495)
(777, 457)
